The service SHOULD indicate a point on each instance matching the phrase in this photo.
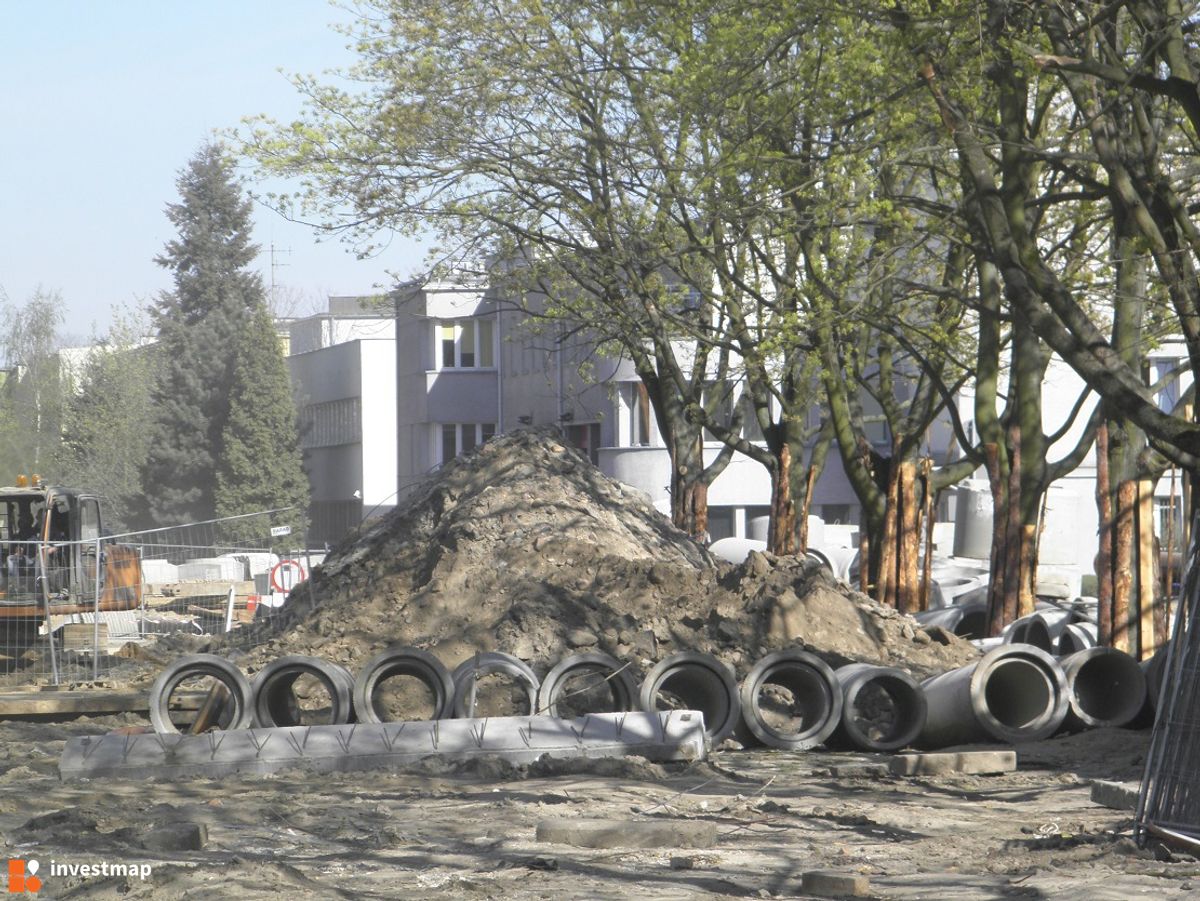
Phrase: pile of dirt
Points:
(525, 547)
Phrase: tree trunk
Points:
(1027, 554)
(909, 539)
(1123, 566)
(689, 488)
(888, 585)
(805, 506)
(998, 565)
(1104, 553)
(1015, 565)
(1147, 640)
(928, 513)
(781, 539)
(866, 560)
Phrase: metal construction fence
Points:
(74, 611)
(1169, 801)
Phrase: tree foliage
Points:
(202, 324)
(35, 385)
(105, 441)
(260, 467)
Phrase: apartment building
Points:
(342, 366)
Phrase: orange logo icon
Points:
(22, 878)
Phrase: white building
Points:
(342, 366)
(388, 395)
(470, 365)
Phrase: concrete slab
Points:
(860, 770)
(967, 763)
(657, 833)
(176, 837)
(672, 735)
(836, 884)
(1117, 795)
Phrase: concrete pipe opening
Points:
(494, 684)
(199, 693)
(588, 683)
(691, 680)
(883, 708)
(302, 691)
(1037, 633)
(1106, 687)
(972, 624)
(1075, 638)
(791, 699)
(1016, 694)
(1019, 693)
(403, 684)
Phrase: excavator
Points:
(53, 561)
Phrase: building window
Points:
(1168, 395)
(639, 425)
(839, 514)
(467, 344)
(462, 438)
(331, 423)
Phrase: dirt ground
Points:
(435, 833)
(526, 548)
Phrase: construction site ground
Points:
(443, 832)
(524, 547)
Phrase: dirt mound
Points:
(525, 547)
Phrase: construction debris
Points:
(673, 735)
(525, 547)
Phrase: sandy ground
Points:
(471, 834)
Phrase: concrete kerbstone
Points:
(966, 763)
(1117, 795)
(836, 884)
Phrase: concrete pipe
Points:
(227, 705)
(947, 618)
(1017, 632)
(1105, 687)
(966, 620)
(1047, 626)
(1076, 637)
(1155, 671)
(953, 585)
(403, 683)
(607, 687)
(883, 708)
(1014, 693)
(524, 688)
(791, 699)
(691, 680)
(275, 703)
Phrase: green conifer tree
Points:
(222, 379)
(260, 466)
(201, 324)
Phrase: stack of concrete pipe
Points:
(791, 699)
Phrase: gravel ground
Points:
(470, 833)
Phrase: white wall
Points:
(378, 422)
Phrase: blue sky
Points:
(104, 102)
